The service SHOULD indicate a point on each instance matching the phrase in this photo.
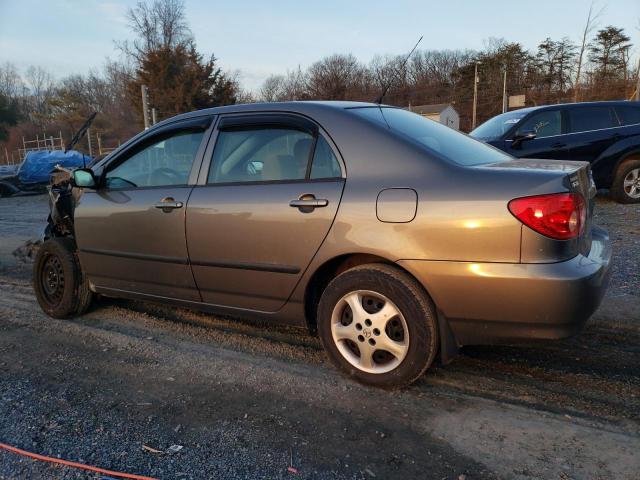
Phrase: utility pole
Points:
(89, 141)
(153, 116)
(504, 92)
(475, 96)
(638, 82)
(145, 105)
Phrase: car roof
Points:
(611, 103)
(303, 107)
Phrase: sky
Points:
(259, 38)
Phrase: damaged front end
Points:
(62, 202)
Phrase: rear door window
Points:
(260, 155)
(325, 164)
(545, 124)
(585, 119)
(628, 115)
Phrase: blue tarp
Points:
(8, 170)
(37, 165)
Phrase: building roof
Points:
(430, 109)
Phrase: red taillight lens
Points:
(558, 215)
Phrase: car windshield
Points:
(497, 126)
(445, 141)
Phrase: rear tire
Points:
(58, 281)
(378, 325)
(626, 183)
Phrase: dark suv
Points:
(605, 134)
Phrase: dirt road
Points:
(248, 401)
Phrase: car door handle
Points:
(558, 145)
(168, 204)
(308, 202)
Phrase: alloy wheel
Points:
(631, 183)
(369, 331)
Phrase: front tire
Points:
(378, 325)
(58, 281)
(626, 184)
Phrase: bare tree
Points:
(295, 85)
(11, 84)
(337, 77)
(41, 89)
(161, 24)
(272, 89)
(280, 88)
(589, 27)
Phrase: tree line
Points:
(164, 56)
(558, 71)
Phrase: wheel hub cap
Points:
(52, 280)
(369, 331)
(631, 184)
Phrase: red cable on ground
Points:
(67, 463)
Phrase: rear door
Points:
(550, 141)
(592, 130)
(130, 231)
(262, 208)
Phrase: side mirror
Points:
(522, 137)
(83, 178)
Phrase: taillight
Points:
(558, 215)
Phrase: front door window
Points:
(544, 124)
(165, 162)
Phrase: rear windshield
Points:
(445, 141)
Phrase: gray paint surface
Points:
(249, 252)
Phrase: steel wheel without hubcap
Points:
(369, 331)
(52, 280)
(631, 183)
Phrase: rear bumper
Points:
(501, 302)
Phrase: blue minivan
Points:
(605, 134)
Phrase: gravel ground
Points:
(246, 401)
(623, 224)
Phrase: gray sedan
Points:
(392, 236)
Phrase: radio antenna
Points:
(388, 84)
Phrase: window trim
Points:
(202, 124)
(268, 120)
(265, 120)
(273, 182)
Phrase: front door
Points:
(130, 231)
(550, 141)
(262, 211)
